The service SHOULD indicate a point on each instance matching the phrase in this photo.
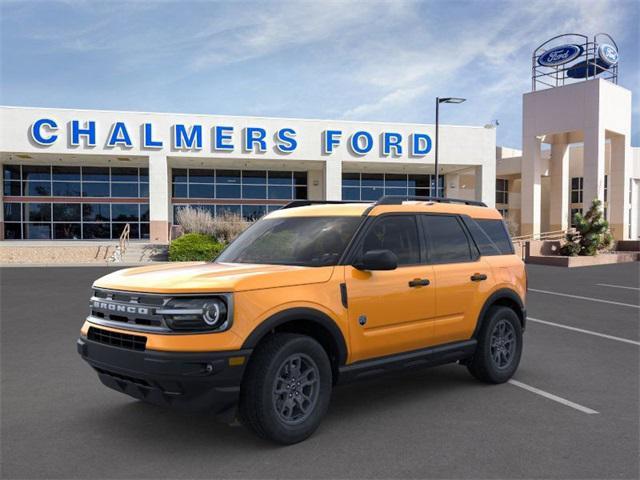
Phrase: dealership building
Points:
(83, 174)
(86, 174)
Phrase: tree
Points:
(592, 233)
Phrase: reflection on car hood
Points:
(202, 277)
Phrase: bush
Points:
(224, 228)
(193, 247)
(591, 235)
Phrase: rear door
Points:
(463, 278)
(391, 311)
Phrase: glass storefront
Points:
(77, 202)
(249, 193)
(372, 186)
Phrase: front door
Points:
(391, 311)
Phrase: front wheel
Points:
(499, 346)
(287, 388)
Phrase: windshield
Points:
(304, 241)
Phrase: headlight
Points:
(197, 314)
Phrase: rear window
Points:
(495, 241)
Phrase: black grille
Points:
(128, 307)
(116, 339)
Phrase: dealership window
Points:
(249, 193)
(573, 212)
(502, 190)
(372, 186)
(77, 202)
(576, 189)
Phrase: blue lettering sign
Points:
(331, 140)
(119, 136)
(421, 144)
(147, 138)
(285, 140)
(89, 131)
(187, 139)
(255, 136)
(358, 147)
(222, 135)
(37, 134)
(560, 55)
(391, 140)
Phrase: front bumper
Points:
(193, 380)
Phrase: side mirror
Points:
(377, 260)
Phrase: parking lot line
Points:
(585, 298)
(616, 286)
(553, 397)
(589, 332)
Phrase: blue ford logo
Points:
(560, 55)
(608, 54)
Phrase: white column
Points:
(593, 166)
(559, 169)
(159, 198)
(485, 190)
(531, 186)
(618, 191)
(333, 179)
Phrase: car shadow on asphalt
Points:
(136, 421)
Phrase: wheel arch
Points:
(306, 321)
(503, 297)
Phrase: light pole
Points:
(438, 102)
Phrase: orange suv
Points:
(311, 295)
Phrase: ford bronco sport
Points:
(313, 294)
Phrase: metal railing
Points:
(552, 235)
(123, 243)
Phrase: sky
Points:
(345, 60)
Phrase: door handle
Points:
(478, 277)
(419, 282)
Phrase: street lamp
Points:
(438, 102)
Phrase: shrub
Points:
(194, 247)
(592, 233)
(224, 228)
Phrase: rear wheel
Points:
(499, 346)
(286, 389)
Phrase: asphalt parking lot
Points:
(572, 411)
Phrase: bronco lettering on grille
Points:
(117, 307)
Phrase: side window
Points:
(398, 233)
(483, 241)
(448, 242)
(497, 232)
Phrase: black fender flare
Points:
(305, 314)
(495, 297)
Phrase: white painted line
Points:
(616, 286)
(589, 332)
(585, 298)
(553, 397)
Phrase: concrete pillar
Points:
(531, 186)
(333, 179)
(619, 187)
(159, 198)
(559, 172)
(485, 190)
(593, 166)
(315, 188)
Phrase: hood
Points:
(204, 277)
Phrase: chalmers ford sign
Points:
(46, 132)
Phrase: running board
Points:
(426, 357)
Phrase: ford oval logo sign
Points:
(608, 54)
(560, 55)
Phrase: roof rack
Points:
(385, 200)
(306, 203)
(398, 199)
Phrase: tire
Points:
(273, 406)
(499, 346)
